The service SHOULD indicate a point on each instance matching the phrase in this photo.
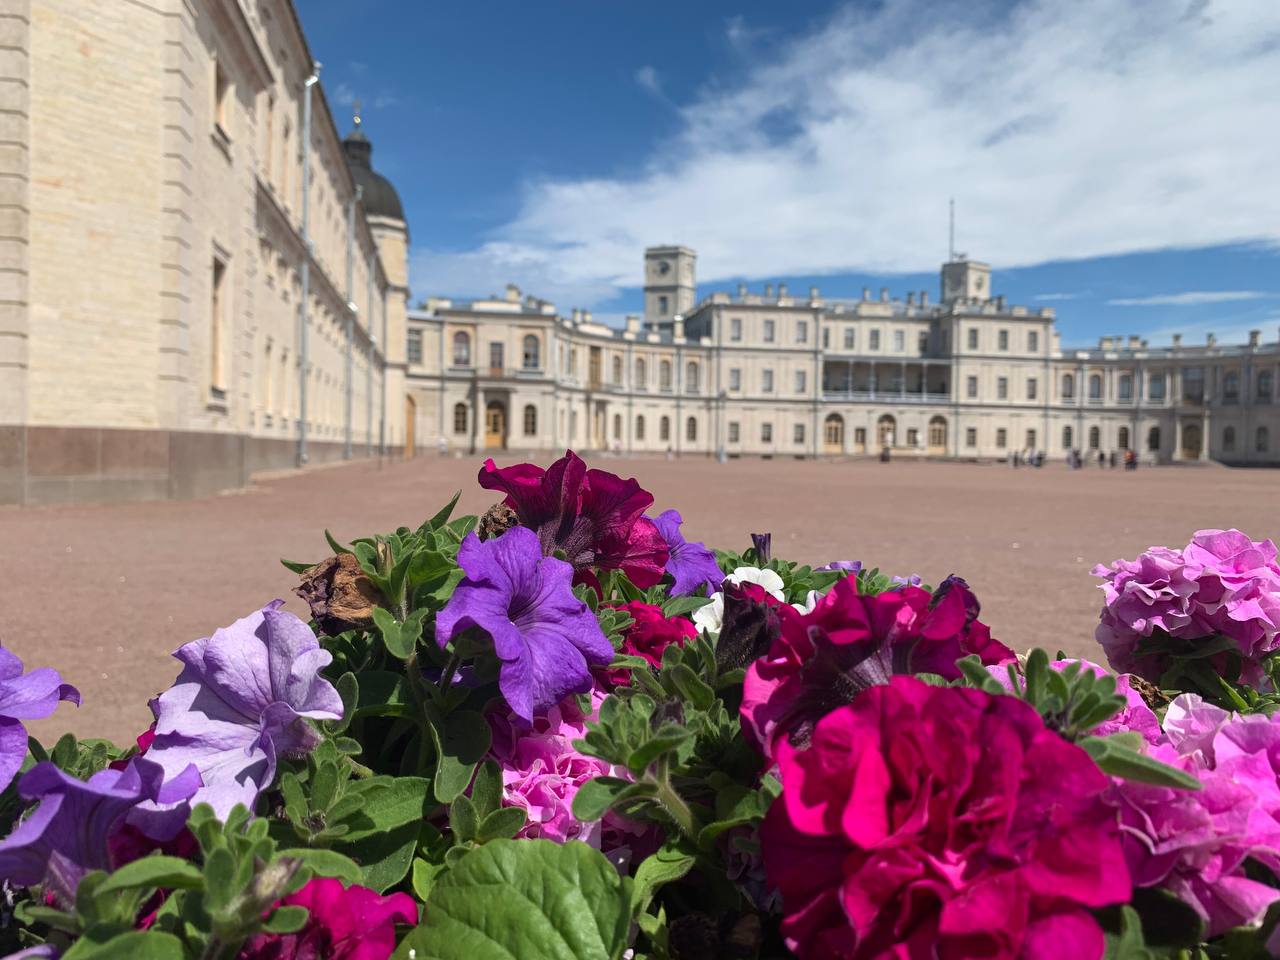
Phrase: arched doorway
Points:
(886, 431)
(937, 436)
(410, 425)
(833, 434)
(1191, 441)
(495, 426)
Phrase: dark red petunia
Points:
(649, 636)
(592, 517)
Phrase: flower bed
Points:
(561, 731)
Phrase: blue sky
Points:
(1114, 158)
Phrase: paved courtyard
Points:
(105, 593)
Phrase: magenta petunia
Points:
(927, 821)
(343, 923)
(25, 696)
(590, 517)
(245, 698)
(545, 637)
(849, 642)
(648, 637)
(1221, 583)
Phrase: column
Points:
(902, 380)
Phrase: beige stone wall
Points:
(15, 207)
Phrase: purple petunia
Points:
(690, 563)
(69, 833)
(545, 637)
(243, 700)
(30, 696)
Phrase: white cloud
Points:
(1064, 130)
(647, 78)
(1057, 296)
(1192, 298)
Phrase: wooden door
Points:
(495, 426)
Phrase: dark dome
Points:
(378, 195)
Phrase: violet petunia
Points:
(592, 518)
(545, 637)
(30, 696)
(69, 833)
(851, 567)
(242, 701)
(691, 564)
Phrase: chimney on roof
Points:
(911, 298)
(813, 293)
(1255, 336)
(866, 293)
(1210, 339)
(1000, 303)
(577, 315)
(677, 327)
(586, 316)
(884, 294)
(768, 291)
(1177, 340)
(633, 323)
(742, 291)
(782, 290)
(513, 293)
(1134, 341)
(924, 298)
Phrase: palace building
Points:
(778, 373)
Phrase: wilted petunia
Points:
(242, 700)
(545, 637)
(30, 696)
(68, 834)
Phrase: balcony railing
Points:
(885, 396)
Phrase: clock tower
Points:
(965, 279)
(670, 285)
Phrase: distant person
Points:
(670, 454)
(1102, 460)
(884, 454)
(1039, 459)
(1113, 459)
(617, 447)
(442, 447)
(1013, 459)
(1130, 460)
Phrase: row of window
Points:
(1002, 388)
(1192, 386)
(1261, 439)
(800, 383)
(766, 432)
(768, 330)
(531, 359)
(1002, 340)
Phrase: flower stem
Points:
(446, 676)
(673, 803)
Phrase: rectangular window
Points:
(733, 431)
(875, 340)
(495, 357)
(849, 337)
(1033, 341)
(802, 331)
(413, 350)
(1002, 340)
(217, 324)
(971, 387)
(826, 338)
(971, 437)
(766, 433)
(1002, 438)
(922, 343)
(1155, 389)
(1031, 439)
(735, 328)
(1002, 388)
(221, 99)
(1193, 384)
(973, 338)
(899, 341)
(801, 381)
(735, 378)
(769, 331)
(913, 437)
(799, 433)
(766, 381)
(1031, 388)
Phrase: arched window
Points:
(617, 371)
(1095, 438)
(664, 429)
(1262, 440)
(530, 420)
(617, 426)
(833, 431)
(1067, 437)
(461, 349)
(664, 375)
(532, 353)
(639, 428)
(1229, 439)
(1122, 438)
(459, 418)
(886, 431)
(1068, 387)
(1264, 386)
(1095, 387)
(642, 379)
(691, 430)
(691, 377)
(1153, 439)
(937, 432)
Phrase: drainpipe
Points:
(310, 82)
(351, 310)
(382, 415)
(368, 370)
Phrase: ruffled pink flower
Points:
(1195, 843)
(343, 923)
(930, 822)
(1220, 583)
(849, 642)
(542, 771)
(592, 517)
(649, 636)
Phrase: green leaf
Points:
(334, 545)
(1167, 920)
(486, 789)
(384, 857)
(461, 739)
(325, 863)
(136, 945)
(531, 899)
(348, 687)
(463, 820)
(220, 879)
(666, 739)
(382, 804)
(384, 694)
(296, 566)
(425, 875)
(286, 920)
(683, 606)
(596, 796)
(154, 872)
(442, 515)
(501, 824)
(401, 639)
(1120, 761)
(670, 863)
